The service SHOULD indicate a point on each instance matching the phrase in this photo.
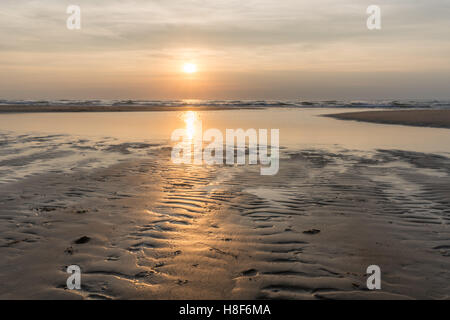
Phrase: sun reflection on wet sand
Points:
(185, 231)
(190, 119)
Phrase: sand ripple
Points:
(155, 230)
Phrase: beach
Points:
(142, 227)
(179, 152)
(423, 118)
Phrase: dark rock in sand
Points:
(312, 231)
(82, 240)
(69, 250)
(249, 273)
(143, 274)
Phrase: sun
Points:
(189, 68)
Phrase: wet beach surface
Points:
(148, 229)
(141, 227)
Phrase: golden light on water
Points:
(190, 119)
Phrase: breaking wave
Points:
(432, 104)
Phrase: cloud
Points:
(126, 37)
(128, 24)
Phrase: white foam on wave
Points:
(434, 104)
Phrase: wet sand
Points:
(148, 229)
(422, 118)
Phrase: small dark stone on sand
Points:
(312, 231)
(45, 209)
(249, 273)
(143, 274)
(82, 240)
(69, 250)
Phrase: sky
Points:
(254, 49)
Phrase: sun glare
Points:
(190, 119)
(189, 68)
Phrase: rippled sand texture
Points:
(149, 229)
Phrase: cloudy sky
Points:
(253, 49)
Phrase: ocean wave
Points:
(432, 104)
